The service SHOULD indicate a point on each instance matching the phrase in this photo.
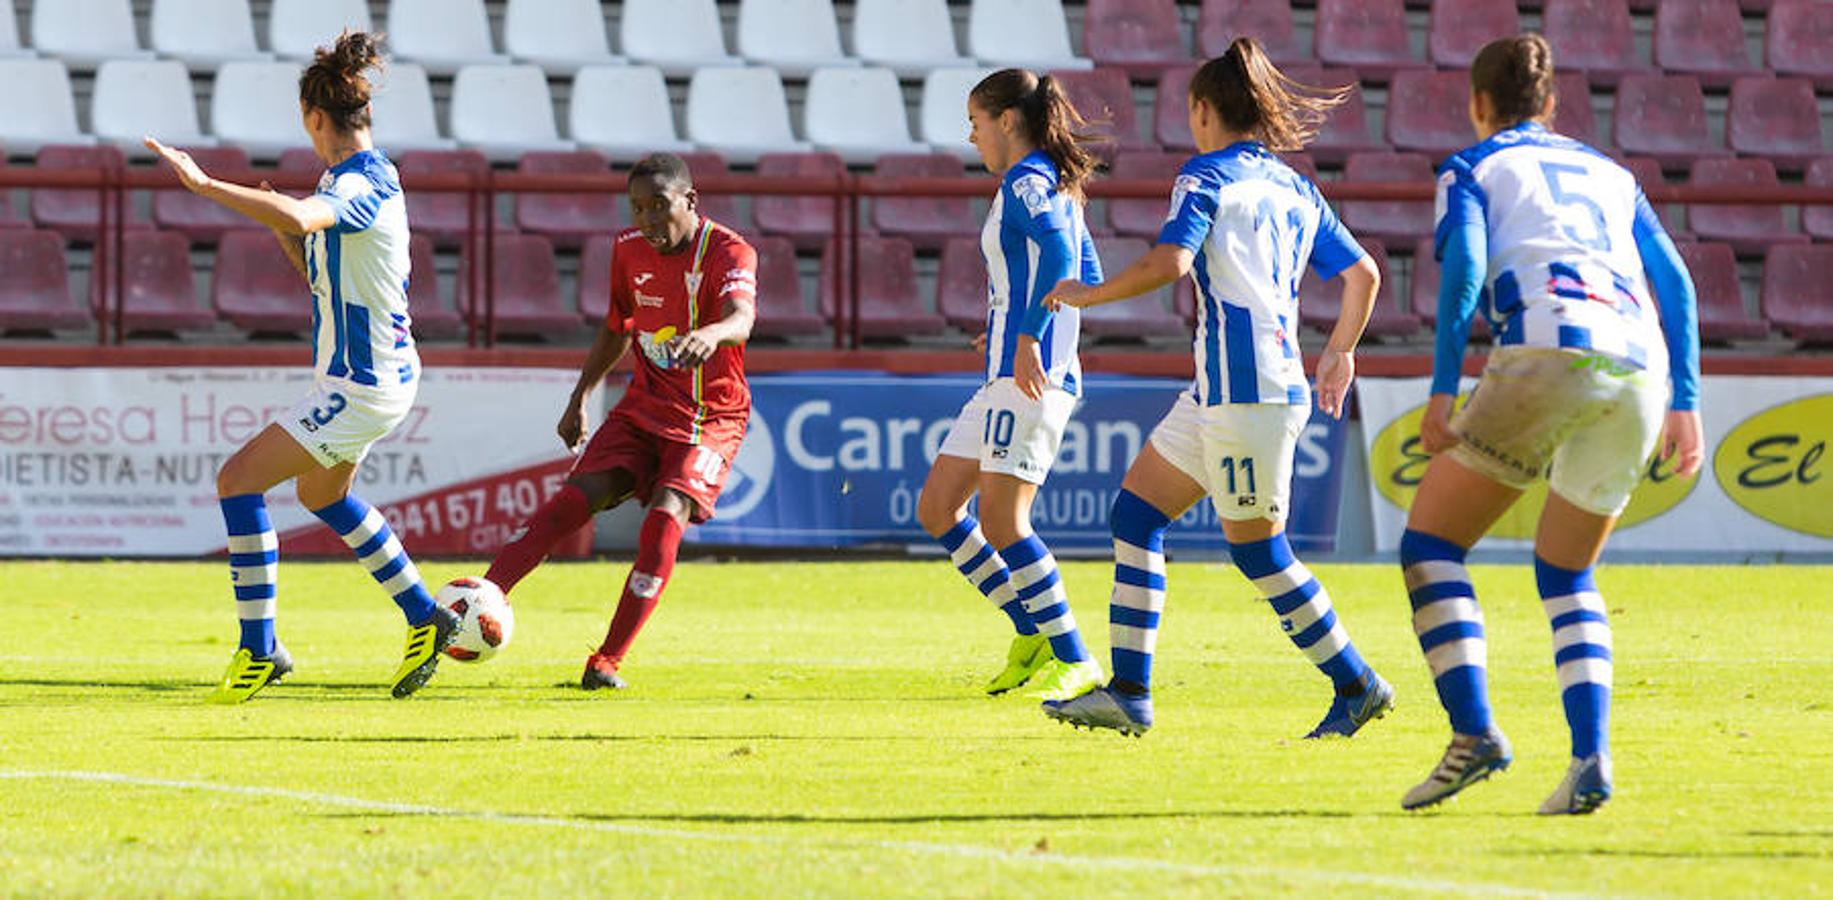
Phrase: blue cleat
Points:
(1347, 715)
(1129, 714)
(1584, 789)
(1470, 759)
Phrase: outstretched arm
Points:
(1162, 265)
(277, 211)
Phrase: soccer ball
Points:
(488, 619)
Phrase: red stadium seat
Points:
(1143, 217)
(1171, 110)
(1703, 38)
(781, 309)
(1648, 174)
(1799, 33)
(528, 300)
(1320, 302)
(1266, 21)
(889, 306)
(1368, 35)
(567, 219)
(1428, 112)
(1795, 279)
(1396, 223)
(160, 289)
(1422, 298)
(594, 291)
(1748, 229)
(927, 221)
(1302, 163)
(1592, 36)
(35, 283)
(1572, 113)
(961, 285)
(203, 221)
(1721, 302)
(1817, 221)
(1139, 317)
(1459, 28)
(432, 318)
(72, 212)
(1105, 98)
(301, 159)
(1663, 116)
(1776, 118)
(721, 208)
(809, 221)
(256, 287)
(1139, 36)
(440, 215)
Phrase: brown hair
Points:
(1517, 74)
(1253, 97)
(1049, 120)
(335, 82)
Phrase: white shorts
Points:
(1241, 453)
(1584, 422)
(1010, 433)
(336, 423)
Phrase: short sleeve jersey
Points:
(1254, 225)
(1027, 212)
(358, 269)
(657, 296)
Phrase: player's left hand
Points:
(1335, 370)
(1028, 368)
(691, 349)
(1068, 292)
(189, 173)
(1682, 441)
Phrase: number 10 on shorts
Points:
(1000, 423)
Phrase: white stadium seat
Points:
(9, 33)
(623, 112)
(908, 36)
(504, 111)
(401, 106)
(741, 113)
(37, 107)
(204, 34)
(944, 114)
(84, 33)
(442, 35)
(1031, 34)
(560, 36)
(297, 28)
(794, 36)
(135, 98)
(676, 36)
(255, 105)
(857, 113)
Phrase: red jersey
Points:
(655, 297)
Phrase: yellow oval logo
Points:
(1397, 464)
(1775, 465)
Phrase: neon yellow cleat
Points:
(424, 645)
(1059, 680)
(1028, 653)
(247, 675)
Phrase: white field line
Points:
(961, 851)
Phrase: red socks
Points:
(656, 546)
(558, 517)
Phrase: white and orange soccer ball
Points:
(488, 620)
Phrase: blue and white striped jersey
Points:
(1254, 224)
(1034, 237)
(358, 269)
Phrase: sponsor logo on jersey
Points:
(1774, 464)
(1034, 192)
(650, 300)
(643, 278)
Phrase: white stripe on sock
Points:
(1284, 581)
(1585, 669)
(248, 610)
(1133, 596)
(1461, 652)
(1328, 646)
(970, 548)
(1444, 612)
(254, 576)
(1138, 557)
(1307, 615)
(372, 525)
(1129, 637)
(404, 579)
(1034, 573)
(1570, 603)
(1434, 571)
(254, 543)
(1582, 633)
(986, 570)
(382, 555)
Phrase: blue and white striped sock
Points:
(1304, 609)
(254, 564)
(1139, 587)
(985, 570)
(1450, 627)
(1581, 650)
(1040, 589)
(368, 535)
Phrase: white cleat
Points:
(1584, 789)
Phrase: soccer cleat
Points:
(425, 644)
(1128, 714)
(1347, 715)
(1470, 759)
(247, 675)
(1028, 653)
(601, 672)
(1584, 789)
(1059, 680)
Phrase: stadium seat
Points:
(795, 37)
(594, 282)
(1592, 36)
(204, 34)
(857, 113)
(1140, 317)
(432, 318)
(889, 306)
(742, 113)
(1030, 34)
(1663, 116)
(1302, 163)
(910, 37)
(1459, 28)
(1748, 229)
(72, 212)
(528, 299)
(304, 159)
(1171, 110)
(256, 287)
(721, 208)
(781, 309)
(1105, 98)
(1648, 174)
(944, 110)
(86, 33)
(1797, 37)
(676, 36)
(1428, 111)
(1368, 35)
(35, 283)
(1219, 22)
(160, 289)
(807, 220)
(961, 285)
(297, 28)
(255, 105)
(1775, 118)
(444, 36)
(203, 221)
(135, 98)
(567, 219)
(1423, 294)
(928, 222)
(1320, 302)
(1138, 36)
(441, 215)
(9, 33)
(38, 107)
(623, 112)
(1139, 216)
(1721, 302)
(1794, 299)
(401, 107)
(1817, 221)
(1703, 38)
(1573, 115)
(504, 111)
(560, 36)
(1396, 223)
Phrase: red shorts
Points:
(698, 471)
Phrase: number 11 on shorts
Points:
(1246, 466)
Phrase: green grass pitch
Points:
(817, 729)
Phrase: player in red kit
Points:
(684, 291)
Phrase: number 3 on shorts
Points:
(324, 414)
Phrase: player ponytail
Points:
(1517, 74)
(335, 82)
(1254, 98)
(1048, 120)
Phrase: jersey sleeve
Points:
(1334, 248)
(621, 313)
(733, 270)
(1193, 210)
(1459, 202)
(1030, 201)
(1676, 299)
(1091, 260)
(355, 201)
